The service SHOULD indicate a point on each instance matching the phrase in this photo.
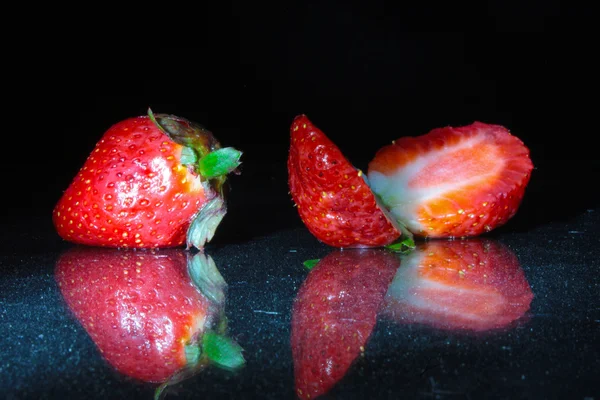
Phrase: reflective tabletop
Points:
(509, 315)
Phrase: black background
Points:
(365, 74)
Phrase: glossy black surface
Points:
(551, 351)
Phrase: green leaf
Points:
(188, 156)
(219, 162)
(153, 119)
(222, 350)
(309, 264)
(205, 223)
(207, 278)
(403, 246)
(192, 353)
(406, 242)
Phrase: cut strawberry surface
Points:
(452, 182)
(333, 198)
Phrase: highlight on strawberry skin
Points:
(333, 198)
(471, 285)
(453, 181)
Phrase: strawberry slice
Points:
(333, 198)
(474, 285)
(453, 182)
(334, 314)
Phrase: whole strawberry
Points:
(334, 314)
(151, 181)
(452, 182)
(154, 315)
(333, 198)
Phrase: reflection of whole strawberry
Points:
(472, 285)
(142, 310)
(151, 181)
(334, 314)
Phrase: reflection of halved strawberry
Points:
(467, 285)
(334, 314)
(143, 311)
(333, 199)
(452, 182)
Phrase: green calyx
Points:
(211, 346)
(201, 150)
(309, 264)
(219, 162)
(188, 156)
(214, 348)
(203, 155)
(405, 243)
(206, 276)
(222, 351)
(205, 223)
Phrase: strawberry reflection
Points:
(470, 285)
(334, 314)
(154, 315)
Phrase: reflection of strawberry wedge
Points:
(334, 313)
(143, 310)
(472, 285)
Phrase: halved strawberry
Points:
(333, 199)
(453, 182)
(475, 285)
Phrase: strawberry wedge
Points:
(452, 182)
(334, 201)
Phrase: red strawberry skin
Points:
(140, 308)
(472, 285)
(333, 199)
(453, 182)
(334, 314)
(134, 191)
